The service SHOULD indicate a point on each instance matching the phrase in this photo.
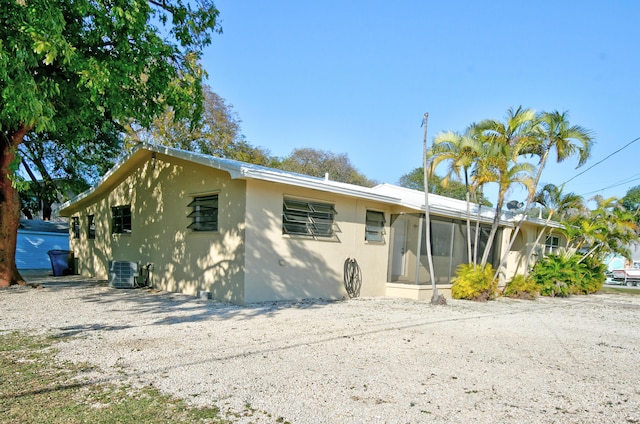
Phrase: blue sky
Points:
(356, 77)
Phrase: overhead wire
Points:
(612, 186)
(602, 160)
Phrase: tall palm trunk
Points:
(477, 233)
(467, 197)
(494, 230)
(535, 244)
(427, 218)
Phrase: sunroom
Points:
(409, 275)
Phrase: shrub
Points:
(592, 276)
(521, 287)
(554, 274)
(472, 282)
(562, 275)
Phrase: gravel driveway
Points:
(369, 360)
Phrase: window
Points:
(121, 219)
(91, 227)
(315, 219)
(551, 245)
(374, 226)
(204, 214)
(75, 227)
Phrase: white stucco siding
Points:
(159, 192)
(280, 266)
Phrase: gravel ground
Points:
(369, 360)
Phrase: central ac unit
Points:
(123, 274)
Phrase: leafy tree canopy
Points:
(631, 200)
(317, 163)
(67, 65)
(454, 189)
(72, 67)
(217, 133)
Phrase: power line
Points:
(612, 186)
(600, 161)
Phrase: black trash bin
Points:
(61, 262)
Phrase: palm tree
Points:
(460, 151)
(551, 198)
(503, 144)
(551, 131)
(609, 228)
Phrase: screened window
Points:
(91, 227)
(301, 217)
(374, 226)
(75, 227)
(121, 219)
(204, 214)
(551, 245)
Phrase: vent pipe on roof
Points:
(326, 176)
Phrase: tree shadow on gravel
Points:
(82, 330)
(168, 308)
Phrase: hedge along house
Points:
(247, 233)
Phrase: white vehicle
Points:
(628, 276)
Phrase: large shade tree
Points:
(65, 66)
(318, 163)
(56, 171)
(217, 133)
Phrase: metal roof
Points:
(385, 193)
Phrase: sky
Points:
(356, 77)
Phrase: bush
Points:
(472, 282)
(563, 275)
(554, 274)
(521, 288)
(592, 276)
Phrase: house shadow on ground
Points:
(170, 308)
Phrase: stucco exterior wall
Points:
(279, 266)
(526, 242)
(159, 191)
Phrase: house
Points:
(246, 233)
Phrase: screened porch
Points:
(409, 269)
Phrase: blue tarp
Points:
(32, 248)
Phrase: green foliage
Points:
(473, 282)
(608, 228)
(592, 271)
(565, 274)
(554, 274)
(453, 189)
(314, 162)
(217, 133)
(631, 202)
(521, 287)
(67, 65)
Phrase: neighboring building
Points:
(36, 238)
(247, 233)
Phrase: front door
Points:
(398, 255)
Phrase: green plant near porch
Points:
(473, 282)
(566, 274)
(521, 287)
